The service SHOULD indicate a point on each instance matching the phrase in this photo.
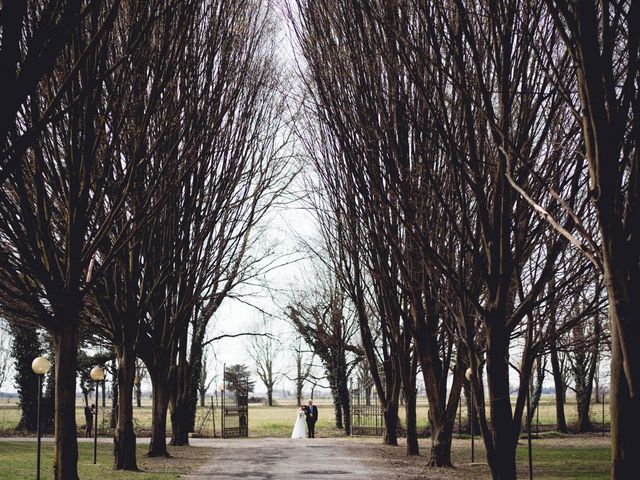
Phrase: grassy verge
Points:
(18, 462)
(583, 457)
(583, 462)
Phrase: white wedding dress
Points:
(300, 428)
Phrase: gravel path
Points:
(279, 458)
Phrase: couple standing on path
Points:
(308, 415)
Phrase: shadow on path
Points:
(280, 458)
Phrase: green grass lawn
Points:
(581, 457)
(585, 462)
(18, 462)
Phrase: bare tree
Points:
(427, 140)
(149, 137)
(603, 45)
(35, 36)
(303, 360)
(354, 226)
(264, 351)
(52, 204)
(212, 213)
(322, 317)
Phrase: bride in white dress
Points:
(300, 428)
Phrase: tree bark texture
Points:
(501, 454)
(160, 404)
(65, 457)
(558, 382)
(124, 448)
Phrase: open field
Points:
(278, 421)
(18, 462)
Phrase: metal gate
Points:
(367, 418)
(235, 407)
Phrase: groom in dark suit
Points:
(311, 412)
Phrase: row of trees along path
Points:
(474, 172)
(139, 148)
(476, 184)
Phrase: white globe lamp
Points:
(40, 365)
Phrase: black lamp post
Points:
(529, 453)
(97, 375)
(221, 388)
(469, 375)
(603, 397)
(40, 367)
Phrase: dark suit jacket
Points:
(312, 413)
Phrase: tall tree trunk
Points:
(610, 137)
(502, 457)
(441, 437)
(625, 415)
(583, 399)
(332, 375)
(621, 283)
(343, 393)
(180, 405)
(270, 396)
(65, 463)
(195, 361)
(442, 431)
(124, 448)
(337, 407)
(412, 434)
(536, 389)
(558, 381)
(179, 423)
(160, 404)
(435, 380)
(299, 385)
(409, 370)
(391, 422)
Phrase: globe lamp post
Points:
(97, 375)
(469, 376)
(40, 367)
